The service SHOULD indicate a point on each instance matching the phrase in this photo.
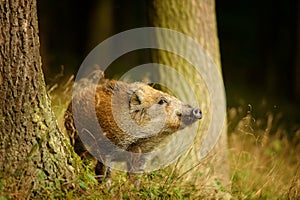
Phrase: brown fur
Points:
(133, 116)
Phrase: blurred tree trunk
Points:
(33, 152)
(196, 19)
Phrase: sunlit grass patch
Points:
(61, 94)
(264, 159)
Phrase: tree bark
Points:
(32, 149)
(196, 19)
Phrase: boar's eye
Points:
(162, 101)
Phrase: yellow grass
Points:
(264, 164)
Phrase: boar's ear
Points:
(136, 96)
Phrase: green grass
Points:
(263, 156)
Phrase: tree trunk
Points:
(33, 152)
(196, 19)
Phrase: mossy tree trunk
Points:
(196, 19)
(33, 152)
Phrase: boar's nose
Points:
(189, 115)
(197, 113)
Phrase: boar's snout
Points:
(189, 115)
(197, 113)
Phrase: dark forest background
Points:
(259, 43)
